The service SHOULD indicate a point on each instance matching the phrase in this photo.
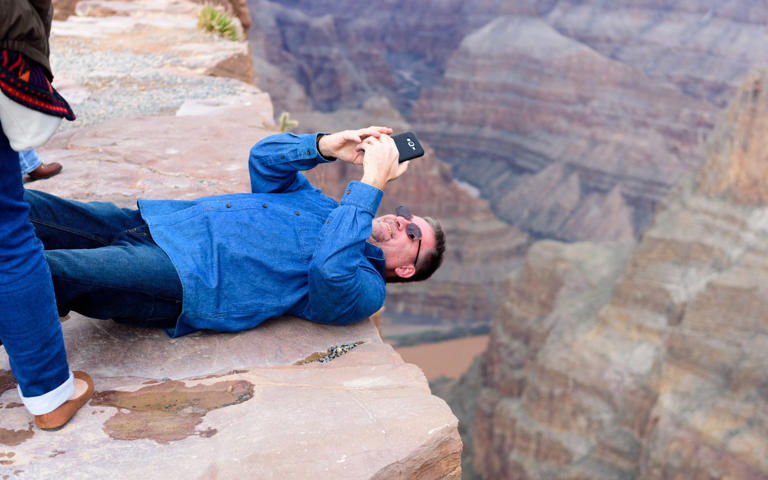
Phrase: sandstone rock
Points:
(142, 58)
(62, 9)
(185, 156)
(735, 164)
(554, 297)
(463, 397)
(228, 405)
(239, 67)
(589, 219)
(664, 379)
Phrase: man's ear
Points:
(405, 271)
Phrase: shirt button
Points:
(297, 213)
(229, 205)
(264, 205)
(309, 152)
(349, 192)
(327, 221)
(282, 157)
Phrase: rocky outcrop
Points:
(462, 396)
(62, 9)
(662, 377)
(619, 97)
(234, 405)
(152, 124)
(735, 164)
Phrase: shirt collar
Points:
(376, 256)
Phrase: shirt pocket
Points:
(308, 233)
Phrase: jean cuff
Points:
(50, 401)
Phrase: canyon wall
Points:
(572, 118)
(658, 373)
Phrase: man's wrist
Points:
(317, 145)
(374, 182)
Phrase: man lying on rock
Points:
(230, 262)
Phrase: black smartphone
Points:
(408, 146)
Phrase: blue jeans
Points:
(29, 325)
(104, 262)
(29, 161)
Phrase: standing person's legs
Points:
(29, 325)
(29, 161)
(37, 170)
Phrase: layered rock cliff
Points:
(287, 399)
(656, 375)
(602, 106)
(555, 128)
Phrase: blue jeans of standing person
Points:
(29, 161)
(104, 262)
(29, 326)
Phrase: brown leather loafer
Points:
(46, 170)
(58, 418)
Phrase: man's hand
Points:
(381, 161)
(345, 145)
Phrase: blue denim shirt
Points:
(285, 249)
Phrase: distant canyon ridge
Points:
(573, 118)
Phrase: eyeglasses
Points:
(412, 230)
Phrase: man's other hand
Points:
(381, 161)
(345, 145)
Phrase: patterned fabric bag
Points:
(30, 108)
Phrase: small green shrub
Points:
(286, 123)
(212, 18)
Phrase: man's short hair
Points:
(431, 259)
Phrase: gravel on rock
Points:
(104, 85)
